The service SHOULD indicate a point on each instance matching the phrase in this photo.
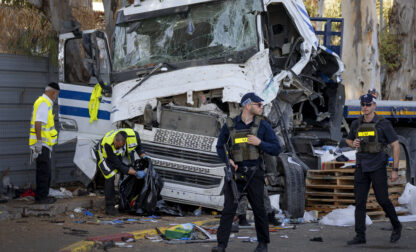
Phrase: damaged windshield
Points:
(205, 31)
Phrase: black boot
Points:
(357, 240)
(219, 248)
(272, 220)
(110, 210)
(261, 247)
(396, 233)
(242, 220)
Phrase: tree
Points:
(110, 9)
(360, 53)
(400, 57)
(59, 13)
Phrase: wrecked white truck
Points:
(179, 68)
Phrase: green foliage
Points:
(390, 54)
(332, 9)
(311, 7)
(27, 31)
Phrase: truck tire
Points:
(292, 200)
(407, 140)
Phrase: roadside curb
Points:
(88, 244)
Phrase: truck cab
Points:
(178, 69)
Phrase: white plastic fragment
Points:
(310, 216)
(342, 217)
(408, 198)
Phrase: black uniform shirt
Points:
(386, 135)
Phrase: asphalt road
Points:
(52, 234)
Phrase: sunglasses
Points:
(363, 104)
(257, 104)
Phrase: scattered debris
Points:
(76, 232)
(79, 191)
(88, 213)
(342, 217)
(408, 198)
(407, 218)
(284, 236)
(104, 245)
(310, 216)
(179, 231)
(317, 239)
(78, 210)
(250, 239)
(123, 245)
(293, 221)
(161, 234)
(314, 230)
(198, 211)
(60, 194)
(27, 193)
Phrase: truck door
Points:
(84, 61)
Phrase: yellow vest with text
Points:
(48, 131)
(131, 143)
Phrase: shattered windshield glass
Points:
(205, 31)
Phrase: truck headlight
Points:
(68, 124)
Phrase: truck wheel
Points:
(292, 200)
(407, 140)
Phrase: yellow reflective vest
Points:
(131, 143)
(48, 131)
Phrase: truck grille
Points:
(182, 139)
(165, 152)
(190, 179)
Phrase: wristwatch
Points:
(395, 169)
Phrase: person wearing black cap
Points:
(370, 134)
(42, 137)
(247, 136)
(109, 152)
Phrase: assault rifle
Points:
(229, 176)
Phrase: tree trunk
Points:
(320, 4)
(59, 14)
(360, 47)
(110, 8)
(402, 82)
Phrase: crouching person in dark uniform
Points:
(371, 134)
(247, 136)
(109, 151)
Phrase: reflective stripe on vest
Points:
(104, 167)
(131, 143)
(48, 131)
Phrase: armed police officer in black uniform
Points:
(371, 134)
(247, 137)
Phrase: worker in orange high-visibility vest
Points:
(43, 136)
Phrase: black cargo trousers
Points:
(43, 174)
(362, 181)
(255, 191)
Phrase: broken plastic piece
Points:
(317, 239)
